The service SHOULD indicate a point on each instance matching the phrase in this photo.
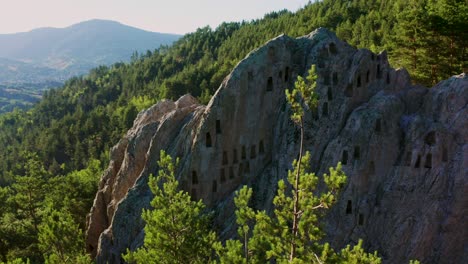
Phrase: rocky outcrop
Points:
(403, 148)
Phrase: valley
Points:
(41, 59)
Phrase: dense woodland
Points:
(53, 153)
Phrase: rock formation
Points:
(403, 147)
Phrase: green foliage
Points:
(23, 212)
(236, 251)
(17, 261)
(61, 240)
(429, 41)
(176, 230)
(265, 239)
(79, 122)
(74, 193)
(31, 205)
(89, 114)
(358, 255)
(302, 95)
(292, 234)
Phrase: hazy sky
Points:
(169, 16)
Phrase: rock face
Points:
(403, 147)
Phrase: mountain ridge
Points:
(75, 49)
(13, 46)
(36, 59)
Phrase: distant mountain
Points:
(33, 61)
(15, 72)
(55, 54)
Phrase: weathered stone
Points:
(404, 149)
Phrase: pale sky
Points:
(167, 16)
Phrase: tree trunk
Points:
(296, 198)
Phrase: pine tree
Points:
(449, 20)
(23, 211)
(410, 39)
(292, 234)
(302, 96)
(61, 240)
(177, 229)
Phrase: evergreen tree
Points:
(265, 238)
(23, 212)
(89, 114)
(292, 234)
(302, 96)
(177, 229)
(449, 19)
(410, 39)
(38, 213)
(61, 240)
(74, 192)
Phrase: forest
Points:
(54, 152)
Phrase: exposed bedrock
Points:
(403, 148)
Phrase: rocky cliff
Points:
(403, 147)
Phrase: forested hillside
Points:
(74, 126)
